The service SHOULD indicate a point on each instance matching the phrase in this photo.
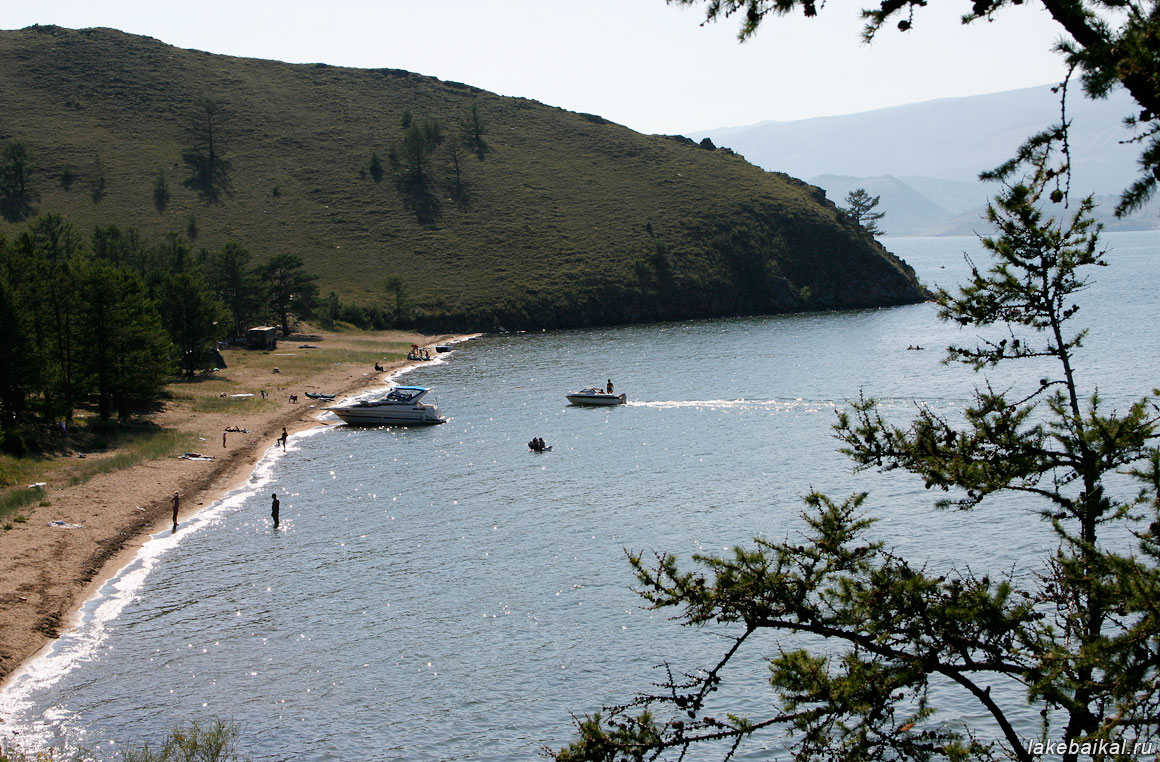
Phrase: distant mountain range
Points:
(923, 159)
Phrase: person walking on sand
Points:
(282, 439)
(176, 505)
(274, 506)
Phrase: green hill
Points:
(567, 220)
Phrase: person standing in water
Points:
(274, 506)
(176, 505)
(283, 439)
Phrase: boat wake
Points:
(773, 406)
(797, 405)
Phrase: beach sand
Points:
(54, 561)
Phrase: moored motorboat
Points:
(401, 406)
(595, 396)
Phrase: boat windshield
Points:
(405, 393)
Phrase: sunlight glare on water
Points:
(443, 593)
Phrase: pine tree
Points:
(191, 313)
(1110, 45)
(472, 129)
(123, 346)
(238, 285)
(1080, 640)
(205, 159)
(861, 209)
(20, 363)
(288, 287)
(17, 191)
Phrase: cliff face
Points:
(547, 218)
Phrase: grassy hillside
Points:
(569, 220)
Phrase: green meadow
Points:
(555, 219)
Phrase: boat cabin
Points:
(405, 393)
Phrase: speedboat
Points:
(401, 406)
(595, 396)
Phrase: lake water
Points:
(445, 594)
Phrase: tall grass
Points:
(229, 404)
(11, 501)
(17, 470)
(216, 742)
(164, 443)
(192, 743)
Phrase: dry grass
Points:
(189, 403)
(559, 221)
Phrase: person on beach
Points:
(223, 439)
(176, 505)
(274, 506)
(282, 439)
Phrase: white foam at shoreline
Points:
(20, 724)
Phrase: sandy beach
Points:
(59, 556)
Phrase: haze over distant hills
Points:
(923, 159)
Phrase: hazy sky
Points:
(641, 63)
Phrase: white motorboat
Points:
(595, 396)
(401, 406)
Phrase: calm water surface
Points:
(445, 594)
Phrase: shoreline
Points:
(57, 560)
